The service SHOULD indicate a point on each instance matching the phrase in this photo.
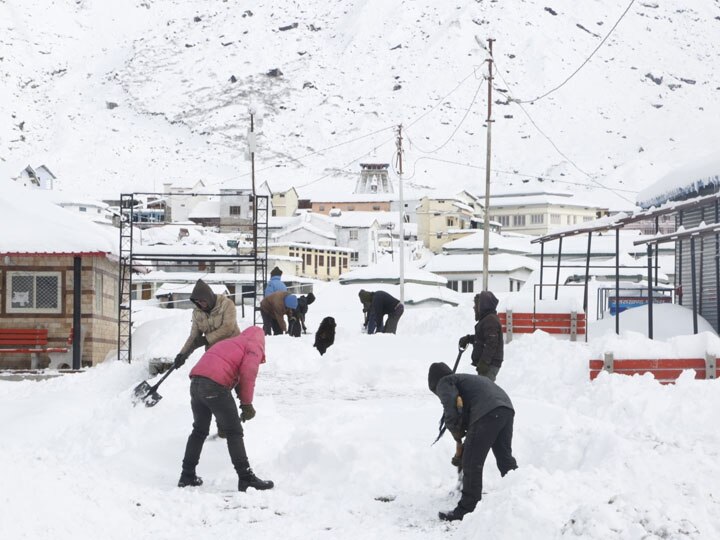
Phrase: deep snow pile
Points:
(618, 458)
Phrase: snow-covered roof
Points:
(319, 247)
(356, 219)
(473, 262)
(205, 209)
(541, 199)
(390, 273)
(502, 243)
(304, 226)
(187, 288)
(684, 182)
(355, 197)
(30, 224)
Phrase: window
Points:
(308, 259)
(281, 195)
(438, 235)
(353, 234)
(555, 219)
(468, 285)
(353, 257)
(332, 261)
(587, 218)
(452, 285)
(450, 222)
(235, 210)
(519, 221)
(345, 261)
(503, 220)
(322, 207)
(537, 219)
(351, 207)
(83, 209)
(376, 207)
(33, 292)
(321, 260)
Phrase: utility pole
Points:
(251, 148)
(402, 214)
(486, 220)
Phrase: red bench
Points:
(665, 370)
(29, 341)
(570, 324)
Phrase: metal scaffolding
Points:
(250, 258)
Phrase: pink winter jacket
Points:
(234, 362)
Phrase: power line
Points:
(316, 152)
(539, 177)
(584, 62)
(347, 164)
(547, 137)
(467, 111)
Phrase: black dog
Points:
(325, 335)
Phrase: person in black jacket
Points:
(378, 304)
(477, 409)
(487, 355)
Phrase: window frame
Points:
(9, 274)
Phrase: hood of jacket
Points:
(202, 291)
(365, 296)
(437, 371)
(485, 303)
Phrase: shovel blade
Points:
(142, 390)
(152, 399)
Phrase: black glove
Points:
(456, 461)
(465, 341)
(248, 412)
(179, 360)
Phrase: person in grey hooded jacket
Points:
(213, 319)
(478, 410)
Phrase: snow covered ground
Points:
(618, 458)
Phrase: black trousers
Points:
(492, 431)
(208, 398)
(270, 325)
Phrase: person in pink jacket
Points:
(230, 364)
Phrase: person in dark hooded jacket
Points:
(378, 304)
(213, 319)
(478, 410)
(487, 355)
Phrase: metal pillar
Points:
(650, 291)
(542, 266)
(557, 273)
(77, 313)
(587, 273)
(694, 284)
(617, 280)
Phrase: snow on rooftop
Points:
(390, 273)
(503, 243)
(30, 224)
(682, 183)
(473, 262)
(187, 288)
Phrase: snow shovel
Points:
(148, 394)
(442, 427)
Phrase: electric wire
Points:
(552, 143)
(460, 123)
(554, 89)
(539, 177)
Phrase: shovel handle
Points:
(157, 385)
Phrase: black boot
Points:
(248, 479)
(189, 479)
(453, 515)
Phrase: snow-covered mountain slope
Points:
(133, 93)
